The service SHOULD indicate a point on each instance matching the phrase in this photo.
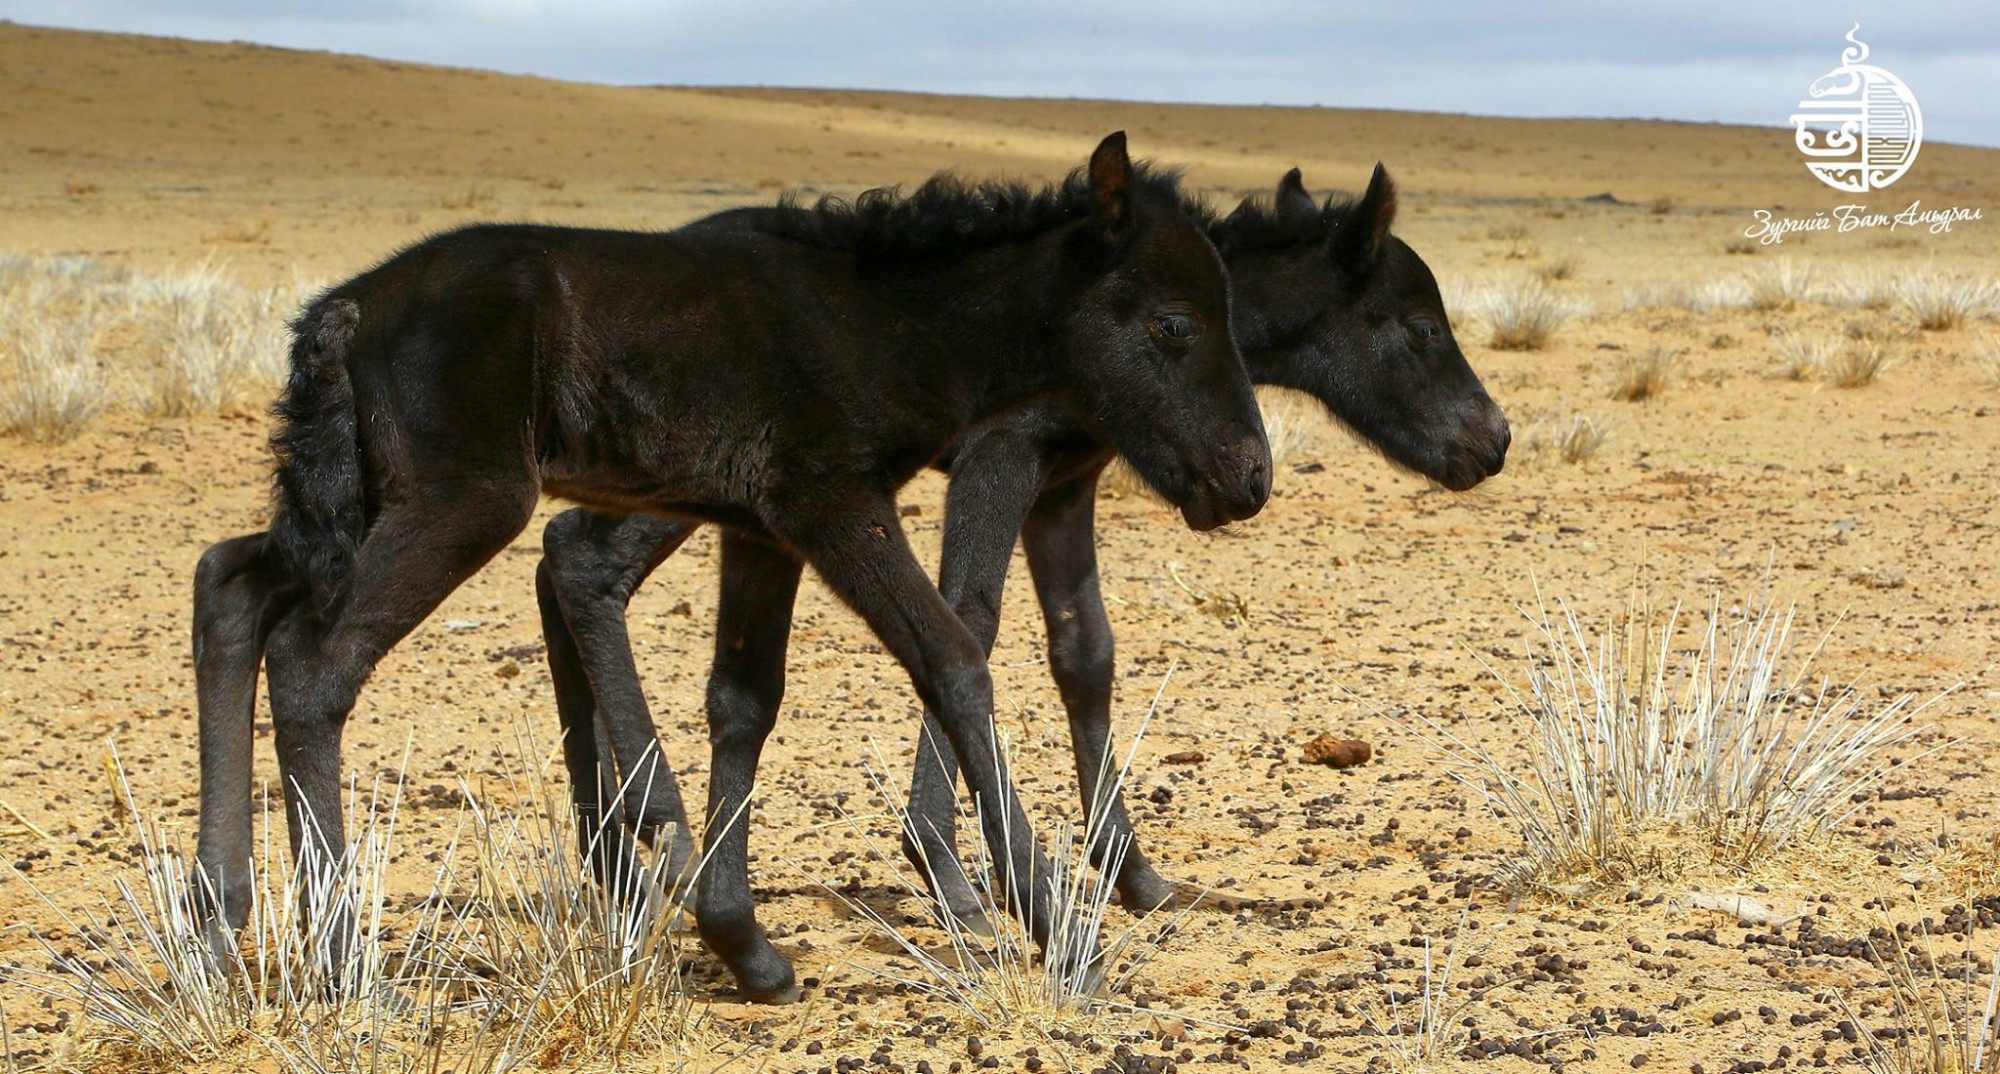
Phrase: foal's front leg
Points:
(1061, 542)
(994, 480)
(745, 687)
(862, 555)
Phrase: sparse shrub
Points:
(1646, 374)
(1662, 205)
(1647, 758)
(1782, 285)
(1859, 362)
(471, 197)
(1986, 361)
(1740, 247)
(1868, 289)
(1523, 316)
(1713, 295)
(1558, 269)
(1936, 302)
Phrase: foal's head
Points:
(1328, 301)
(1150, 339)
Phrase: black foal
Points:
(779, 371)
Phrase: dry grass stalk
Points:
(1420, 1031)
(1942, 1020)
(1646, 760)
(1646, 374)
(1936, 302)
(1001, 980)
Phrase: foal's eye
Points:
(1176, 329)
(1423, 332)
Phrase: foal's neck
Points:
(1001, 312)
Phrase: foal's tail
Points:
(319, 511)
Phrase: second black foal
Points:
(1324, 299)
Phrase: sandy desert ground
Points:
(1367, 599)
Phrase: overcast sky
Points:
(1739, 61)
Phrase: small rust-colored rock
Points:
(1337, 752)
(1187, 757)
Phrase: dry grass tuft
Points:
(1572, 439)
(52, 317)
(185, 343)
(1646, 374)
(1649, 758)
(1523, 316)
(1859, 362)
(1986, 362)
(1783, 285)
(1805, 356)
(1557, 269)
(1935, 302)
(513, 957)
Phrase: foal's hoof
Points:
(785, 996)
(766, 977)
(1156, 893)
(966, 919)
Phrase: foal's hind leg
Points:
(416, 552)
(239, 590)
(1060, 538)
(745, 688)
(592, 563)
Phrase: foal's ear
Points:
(1111, 182)
(1291, 196)
(1358, 241)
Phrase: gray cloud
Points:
(1732, 62)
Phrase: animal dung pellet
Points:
(1187, 757)
(1337, 752)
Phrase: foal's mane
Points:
(948, 214)
(1261, 224)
